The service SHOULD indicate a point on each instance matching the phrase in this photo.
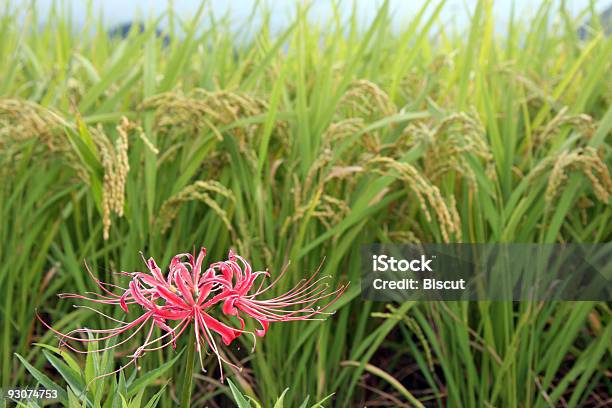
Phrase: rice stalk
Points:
(428, 195)
(584, 160)
(114, 159)
(447, 145)
(22, 121)
(582, 123)
(200, 109)
(198, 191)
(365, 99)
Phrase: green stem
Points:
(188, 377)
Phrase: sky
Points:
(454, 13)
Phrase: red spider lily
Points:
(296, 304)
(187, 296)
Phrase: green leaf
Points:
(151, 376)
(238, 397)
(280, 401)
(73, 401)
(73, 377)
(63, 353)
(155, 399)
(44, 380)
(304, 404)
(124, 403)
(136, 401)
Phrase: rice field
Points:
(294, 148)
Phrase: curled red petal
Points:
(228, 334)
(122, 301)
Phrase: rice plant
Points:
(292, 149)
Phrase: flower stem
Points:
(188, 376)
